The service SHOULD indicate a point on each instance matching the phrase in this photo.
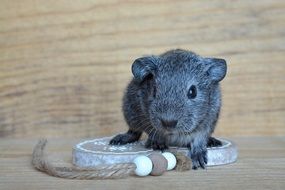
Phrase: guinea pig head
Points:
(177, 88)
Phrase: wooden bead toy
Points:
(171, 160)
(159, 164)
(96, 152)
(110, 161)
(144, 165)
(155, 164)
(136, 159)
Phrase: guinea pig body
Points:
(175, 98)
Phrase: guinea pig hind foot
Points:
(213, 142)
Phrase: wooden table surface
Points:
(261, 165)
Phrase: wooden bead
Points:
(171, 160)
(159, 164)
(183, 162)
(143, 164)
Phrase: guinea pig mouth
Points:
(168, 124)
(170, 130)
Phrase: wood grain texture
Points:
(64, 64)
(261, 165)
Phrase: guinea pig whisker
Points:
(153, 136)
(147, 127)
(141, 122)
(134, 119)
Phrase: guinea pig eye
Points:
(192, 93)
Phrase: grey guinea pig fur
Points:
(175, 98)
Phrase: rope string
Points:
(114, 171)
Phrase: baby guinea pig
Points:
(175, 98)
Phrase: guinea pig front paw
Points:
(199, 159)
(120, 139)
(156, 144)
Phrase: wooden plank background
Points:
(64, 64)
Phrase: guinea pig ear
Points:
(143, 67)
(216, 69)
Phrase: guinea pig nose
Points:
(168, 123)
